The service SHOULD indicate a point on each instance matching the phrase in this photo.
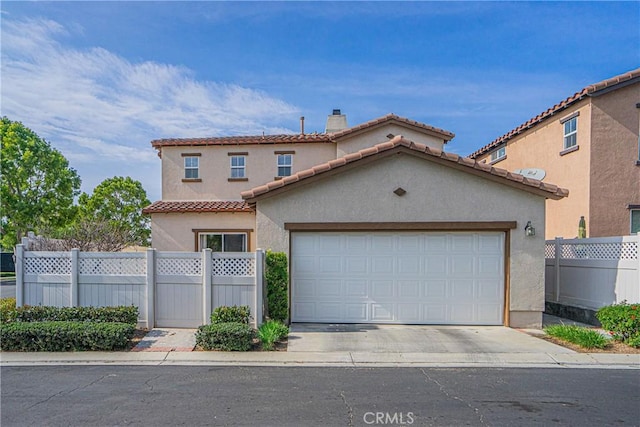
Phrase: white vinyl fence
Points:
(170, 289)
(592, 273)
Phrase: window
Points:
(571, 133)
(284, 164)
(498, 154)
(635, 221)
(238, 166)
(191, 165)
(223, 242)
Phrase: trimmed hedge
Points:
(121, 314)
(235, 313)
(230, 336)
(7, 310)
(65, 336)
(277, 277)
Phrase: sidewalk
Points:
(329, 359)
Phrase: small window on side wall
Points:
(635, 221)
(191, 167)
(285, 162)
(499, 154)
(570, 133)
(223, 242)
(238, 167)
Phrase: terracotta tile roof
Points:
(587, 91)
(182, 206)
(444, 134)
(298, 138)
(399, 143)
(243, 140)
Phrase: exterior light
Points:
(529, 230)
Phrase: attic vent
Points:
(390, 136)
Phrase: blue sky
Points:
(100, 80)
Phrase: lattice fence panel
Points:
(550, 251)
(178, 266)
(234, 267)
(601, 251)
(113, 266)
(48, 265)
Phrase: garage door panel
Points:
(356, 312)
(408, 288)
(382, 312)
(435, 288)
(329, 288)
(398, 277)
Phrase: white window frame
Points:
(191, 163)
(499, 154)
(631, 212)
(284, 164)
(202, 235)
(570, 135)
(238, 170)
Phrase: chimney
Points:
(302, 125)
(336, 122)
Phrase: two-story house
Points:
(588, 143)
(379, 224)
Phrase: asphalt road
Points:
(297, 396)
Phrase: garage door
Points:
(398, 277)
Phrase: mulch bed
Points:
(137, 337)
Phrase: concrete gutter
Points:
(329, 359)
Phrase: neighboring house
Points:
(588, 143)
(379, 224)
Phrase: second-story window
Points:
(238, 166)
(498, 154)
(191, 167)
(570, 133)
(284, 164)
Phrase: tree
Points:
(37, 186)
(119, 201)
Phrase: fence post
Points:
(259, 286)
(151, 287)
(75, 269)
(19, 275)
(206, 285)
(556, 266)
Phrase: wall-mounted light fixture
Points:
(529, 230)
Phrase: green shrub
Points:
(65, 336)
(7, 310)
(277, 277)
(621, 320)
(584, 337)
(121, 314)
(270, 332)
(232, 314)
(230, 336)
(634, 341)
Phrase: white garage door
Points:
(398, 277)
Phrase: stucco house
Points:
(379, 223)
(588, 143)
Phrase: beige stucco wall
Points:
(540, 148)
(378, 135)
(215, 168)
(615, 176)
(434, 193)
(174, 231)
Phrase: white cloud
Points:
(98, 107)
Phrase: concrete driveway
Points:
(313, 337)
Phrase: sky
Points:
(100, 80)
